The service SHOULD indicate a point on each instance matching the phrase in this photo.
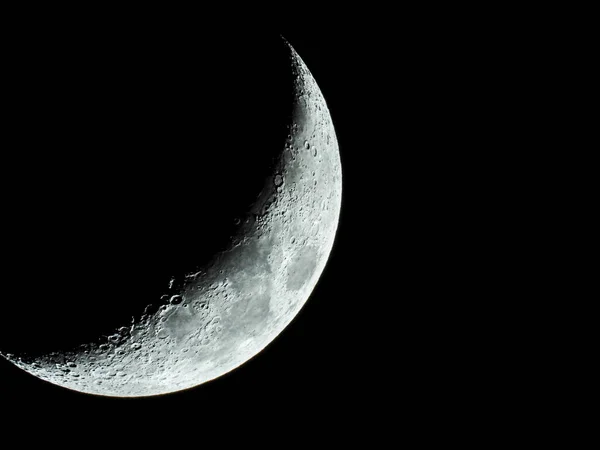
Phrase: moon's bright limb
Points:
(228, 312)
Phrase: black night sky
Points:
(371, 345)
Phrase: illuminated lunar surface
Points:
(228, 311)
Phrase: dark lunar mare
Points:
(127, 162)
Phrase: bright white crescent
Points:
(229, 311)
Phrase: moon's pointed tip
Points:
(287, 44)
(285, 41)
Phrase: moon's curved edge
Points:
(261, 244)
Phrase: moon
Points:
(230, 309)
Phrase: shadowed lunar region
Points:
(214, 313)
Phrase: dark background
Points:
(396, 336)
(134, 154)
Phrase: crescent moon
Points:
(231, 309)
